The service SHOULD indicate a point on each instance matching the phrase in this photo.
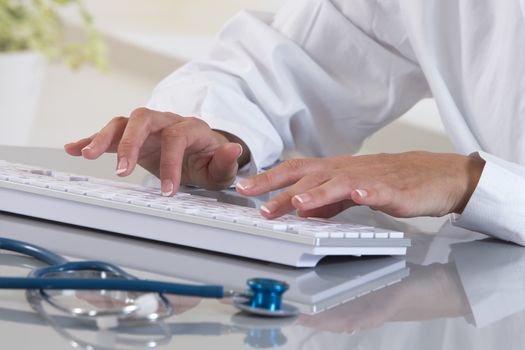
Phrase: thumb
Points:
(223, 166)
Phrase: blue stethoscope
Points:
(264, 296)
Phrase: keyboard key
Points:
(337, 234)
(162, 206)
(78, 190)
(41, 172)
(366, 234)
(183, 209)
(313, 233)
(58, 186)
(396, 234)
(271, 225)
(101, 194)
(351, 234)
(381, 234)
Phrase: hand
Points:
(403, 185)
(178, 150)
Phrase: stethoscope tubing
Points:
(38, 278)
(206, 291)
(38, 253)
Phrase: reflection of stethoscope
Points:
(264, 297)
(258, 332)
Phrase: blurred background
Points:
(146, 40)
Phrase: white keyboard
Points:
(185, 219)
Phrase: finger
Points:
(181, 304)
(223, 165)
(380, 198)
(285, 174)
(335, 190)
(326, 211)
(282, 203)
(141, 124)
(171, 159)
(184, 135)
(75, 148)
(106, 139)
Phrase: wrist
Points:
(473, 168)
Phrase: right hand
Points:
(178, 150)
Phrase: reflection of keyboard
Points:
(185, 219)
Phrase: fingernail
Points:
(266, 210)
(303, 198)
(122, 166)
(241, 151)
(269, 207)
(88, 147)
(166, 188)
(362, 193)
(245, 185)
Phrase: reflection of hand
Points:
(176, 149)
(429, 292)
(368, 311)
(181, 303)
(403, 185)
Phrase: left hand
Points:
(403, 185)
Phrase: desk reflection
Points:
(480, 282)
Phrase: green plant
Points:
(36, 25)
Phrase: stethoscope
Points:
(264, 296)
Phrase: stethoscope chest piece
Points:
(265, 298)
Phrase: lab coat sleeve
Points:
(493, 277)
(497, 206)
(315, 79)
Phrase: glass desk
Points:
(455, 289)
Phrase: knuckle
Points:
(171, 131)
(169, 164)
(196, 122)
(346, 181)
(265, 178)
(172, 115)
(294, 164)
(287, 195)
(320, 194)
(174, 132)
(284, 197)
(318, 177)
(142, 116)
(118, 120)
(139, 112)
(174, 118)
(126, 146)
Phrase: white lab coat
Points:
(319, 77)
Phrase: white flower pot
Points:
(21, 77)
